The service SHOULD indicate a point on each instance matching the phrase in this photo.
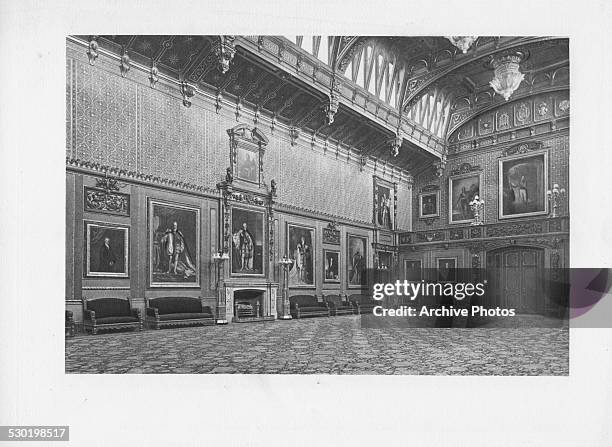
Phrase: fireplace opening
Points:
(248, 304)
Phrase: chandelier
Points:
(507, 75)
(462, 42)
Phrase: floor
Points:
(336, 345)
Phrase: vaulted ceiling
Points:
(280, 80)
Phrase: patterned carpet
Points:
(334, 345)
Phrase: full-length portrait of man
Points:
(246, 245)
(177, 252)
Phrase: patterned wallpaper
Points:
(122, 123)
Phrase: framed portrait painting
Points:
(174, 244)
(247, 242)
(413, 270)
(447, 269)
(461, 191)
(331, 272)
(356, 260)
(106, 250)
(384, 203)
(522, 185)
(429, 204)
(300, 246)
(247, 164)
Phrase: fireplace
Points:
(246, 303)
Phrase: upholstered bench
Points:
(363, 303)
(339, 307)
(110, 313)
(177, 311)
(308, 306)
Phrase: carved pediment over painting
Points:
(465, 168)
(522, 148)
(331, 234)
(247, 147)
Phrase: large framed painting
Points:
(174, 244)
(384, 203)
(356, 260)
(300, 245)
(106, 250)
(247, 242)
(429, 204)
(522, 185)
(331, 273)
(247, 164)
(461, 191)
(447, 269)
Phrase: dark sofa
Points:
(177, 311)
(363, 303)
(110, 313)
(308, 306)
(339, 307)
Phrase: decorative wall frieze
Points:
(544, 229)
(313, 213)
(97, 169)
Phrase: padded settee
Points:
(339, 307)
(177, 311)
(110, 313)
(363, 303)
(308, 306)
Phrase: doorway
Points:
(516, 279)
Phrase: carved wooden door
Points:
(516, 279)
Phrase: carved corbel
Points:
(153, 75)
(273, 122)
(396, 143)
(439, 166)
(238, 108)
(224, 49)
(218, 101)
(362, 162)
(92, 50)
(187, 91)
(331, 108)
(125, 64)
(294, 133)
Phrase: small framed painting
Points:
(447, 269)
(331, 271)
(429, 204)
(106, 250)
